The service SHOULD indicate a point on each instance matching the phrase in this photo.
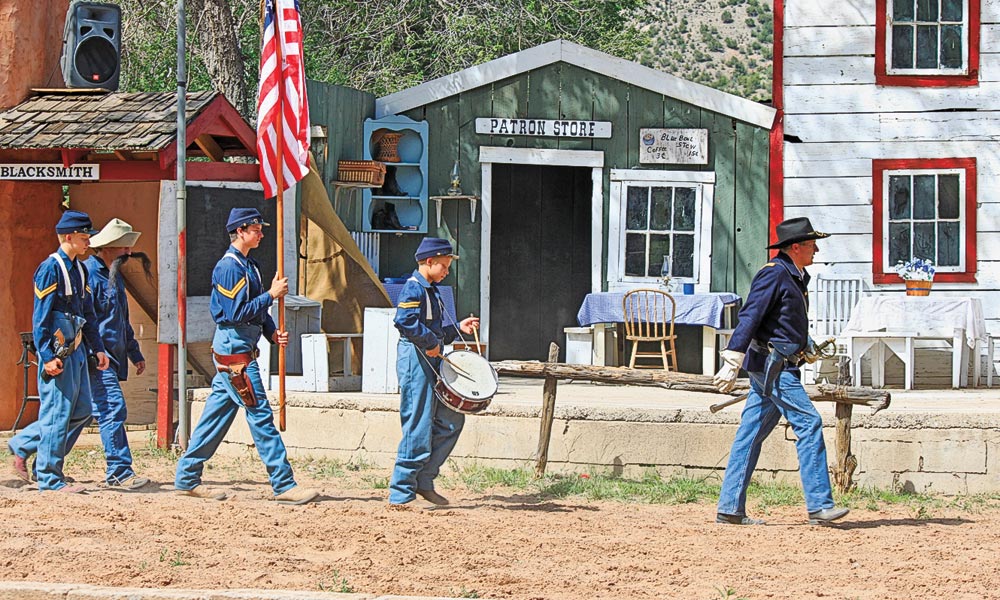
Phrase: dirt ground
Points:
(493, 543)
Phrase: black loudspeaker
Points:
(91, 55)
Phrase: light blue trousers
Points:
(64, 407)
(430, 429)
(220, 411)
(760, 415)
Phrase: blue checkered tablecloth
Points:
(445, 291)
(692, 309)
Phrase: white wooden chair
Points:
(831, 302)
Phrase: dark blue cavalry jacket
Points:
(418, 314)
(775, 310)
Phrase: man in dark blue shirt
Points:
(772, 335)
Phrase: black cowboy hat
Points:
(792, 231)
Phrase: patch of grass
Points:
(83, 459)
(377, 483)
(340, 584)
(360, 463)
(728, 593)
(176, 561)
(464, 593)
(775, 494)
(320, 468)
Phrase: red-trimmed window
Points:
(923, 43)
(924, 208)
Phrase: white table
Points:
(896, 321)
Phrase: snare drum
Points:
(468, 384)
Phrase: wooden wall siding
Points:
(343, 112)
(566, 91)
(844, 121)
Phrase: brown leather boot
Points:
(297, 495)
(21, 468)
(205, 493)
(433, 497)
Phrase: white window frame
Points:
(963, 70)
(962, 216)
(621, 179)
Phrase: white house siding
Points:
(844, 121)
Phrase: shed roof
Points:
(135, 122)
(586, 58)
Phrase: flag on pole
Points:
(282, 88)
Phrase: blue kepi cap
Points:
(430, 247)
(74, 221)
(244, 217)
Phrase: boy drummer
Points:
(430, 430)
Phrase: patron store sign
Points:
(673, 146)
(49, 172)
(544, 127)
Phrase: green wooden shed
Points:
(584, 171)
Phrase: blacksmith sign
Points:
(50, 172)
(673, 146)
(544, 127)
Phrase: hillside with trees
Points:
(383, 46)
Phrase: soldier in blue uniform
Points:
(239, 305)
(771, 339)
(430, 429)
(64, 327)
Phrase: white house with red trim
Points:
(890, 115)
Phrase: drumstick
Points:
(458, 369)
(475, 332)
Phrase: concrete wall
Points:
(940, 453)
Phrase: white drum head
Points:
(471, 377)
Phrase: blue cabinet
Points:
(400, 205)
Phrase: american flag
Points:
(282, 87)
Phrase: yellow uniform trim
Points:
(89, 291)
(43, 293)
(415, 304)
(771, 264)
(236, 288)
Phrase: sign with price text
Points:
(673, 146)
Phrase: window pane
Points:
(948, 244)
(659, 219)
(899, 243)
(948, 196)
(684, 207)
(637, 211)
(927, 47)
(902, 47)
(925, 241)
(902, 10)
(683, 256)
(927, 10)
(899, 197)
(951, 46)
(635, 254)
(923, 196)
(659, 246)
(951, 10)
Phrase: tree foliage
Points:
(380, 46)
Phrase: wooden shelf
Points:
(472, 205)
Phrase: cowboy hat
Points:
(116, 234)
(791, 231)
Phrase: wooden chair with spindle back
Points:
(649, 317)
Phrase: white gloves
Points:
(725, 379)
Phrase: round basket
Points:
(388, 147)
(915, 287)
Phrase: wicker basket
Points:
(361, 171)
(388, 147)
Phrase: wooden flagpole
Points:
(280, 219)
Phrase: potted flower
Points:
(918, 275)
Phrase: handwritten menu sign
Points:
(673, 146)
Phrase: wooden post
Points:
(548, 414)
(846, 462)
(165, 396)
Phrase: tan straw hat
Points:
(116, 234)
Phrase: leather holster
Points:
(235, 365)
